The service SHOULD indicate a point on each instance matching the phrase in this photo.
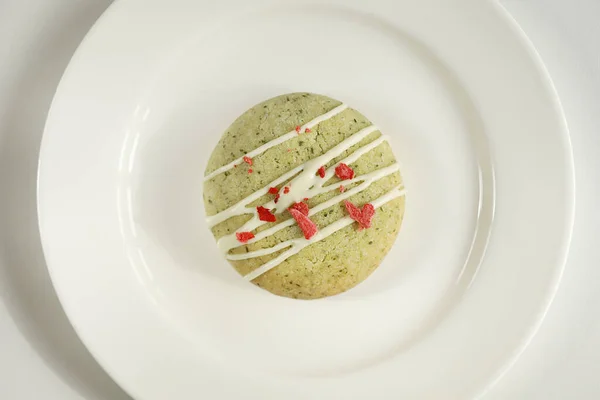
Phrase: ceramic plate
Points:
(485, 154)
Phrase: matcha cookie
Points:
(304, 196)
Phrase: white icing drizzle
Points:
(229, 242)
(277, 141)
(308, 177)
(241, 207)
(296, 245)
(354, 156)
(304, 183)
(261, 252)
(299, 185)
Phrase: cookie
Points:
(304, 196)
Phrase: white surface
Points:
(41, 355)
(570, 60)
(454, 107)
(562, 361)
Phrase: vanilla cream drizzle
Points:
(306, 179)
(305, 183)
(241, 207)
(279, 140)
(296, 245)
(229, 242)
(309, 178)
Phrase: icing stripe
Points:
(303, 182)
(240, 208)
(277, 141)
(308, 178)
(261, 252)
(355, 156)
(298, 244)
(229, 242)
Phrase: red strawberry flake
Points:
(286, 190)
(250, 170)
(277, 198)
(321, 171)
(289, 150)
(273, 190)
(264, 214)
(354, 211)
(342, 189)
(308, 227)
(298, 128)
(343, 171)
(247, 160)
(244, 236)
(302, 207)
(363, 217)
(306, 199)
(368, 212)
(307, 130)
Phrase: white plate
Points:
(486, 159)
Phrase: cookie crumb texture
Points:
(339, 261)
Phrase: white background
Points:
(40, 355)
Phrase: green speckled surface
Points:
(340, 261)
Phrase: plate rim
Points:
(515, 27)
(545, 73)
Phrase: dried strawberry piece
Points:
(308, 227)
(354, 211)
(307, 130)
(273, 190)
(244, 236)
(321, 171)
(343, 171)
(250, 170)
(368, 212)
(342, 189)
(264, 214)
(277, 198)
(298, 128)
(247, 160)
(364, 216)
(302, 207)
(306, 199)
(286, 190)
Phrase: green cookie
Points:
(339, 261)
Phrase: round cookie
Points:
(274, 155)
